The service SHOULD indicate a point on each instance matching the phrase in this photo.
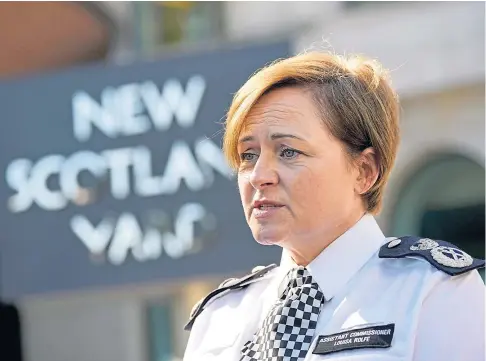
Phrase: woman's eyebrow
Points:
(274, 136)
(248, 138)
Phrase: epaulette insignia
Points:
(443, 255)
(227, 286)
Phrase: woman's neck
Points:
(304, 251)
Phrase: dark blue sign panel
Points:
(114, 175)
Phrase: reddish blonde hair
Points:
(355, 99)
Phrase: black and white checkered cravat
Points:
(287, 331)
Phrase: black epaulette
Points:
(227, 286)
(443, 255)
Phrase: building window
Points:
(161, 337)
(444, 200)
(174, 24)
(462, 226)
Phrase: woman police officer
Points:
(313, 139)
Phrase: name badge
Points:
(369, 337)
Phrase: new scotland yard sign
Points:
(114, 175)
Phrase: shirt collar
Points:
(339, 262)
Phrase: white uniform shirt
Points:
(437, 317)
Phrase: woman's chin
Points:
(267, 237)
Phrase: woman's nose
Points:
(264, 174)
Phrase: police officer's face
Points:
(297, 183)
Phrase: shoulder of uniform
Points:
(443, 255)
(229, 285)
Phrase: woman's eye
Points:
(289, 153)
(247, 157)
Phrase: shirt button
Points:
(394, 243)
(228, 282)
(257, 269)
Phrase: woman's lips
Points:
(265, 211)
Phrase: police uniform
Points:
(382, 299)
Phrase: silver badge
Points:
(423, 245)
(394, 243)
(451, 257)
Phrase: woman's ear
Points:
(368, 170)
